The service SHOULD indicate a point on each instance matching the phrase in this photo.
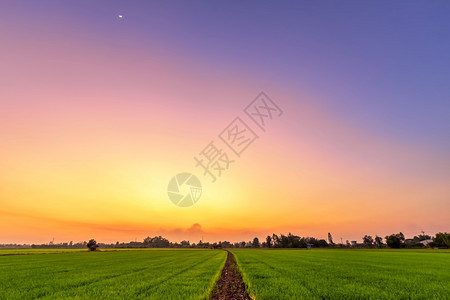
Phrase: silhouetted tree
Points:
(303, 242)
(368, 241)
(226, 244)
(156, 242)
(255, 243)
(185, 244)
(322, 243)
(423, 237)
(442, 239)
(294, 241)
(268, 241)
(330, 239)
(395, 240)
(275, 241)
(378, 241)
(92, 245)
(283, 241)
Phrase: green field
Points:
(191, 274)
(156, 274)
(37, 251)
(349, 274)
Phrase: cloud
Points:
(193, 232)
(195, 228)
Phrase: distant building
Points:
(426, 242)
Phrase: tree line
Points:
(397, 240)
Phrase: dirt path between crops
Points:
(230, 285)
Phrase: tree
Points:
(423, 237)
(378, 241)
(268, 241)
(156, 242)
(293, 241)
(185, 244)
(322, 243)
(303, 242)
(283, 241)
(395, 240)
(330, 239)
(226, 244)
(275, 241)
(442, 239)
(255, 243)
(92, 245)
(368, 241)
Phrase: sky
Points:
(99, 112)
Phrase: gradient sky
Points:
(98, 112)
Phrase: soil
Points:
(230, 285)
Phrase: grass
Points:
(154, 274)
(191, 274)
(349, 274)
(37, 251)
(28, 251)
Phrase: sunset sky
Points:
(98, 113)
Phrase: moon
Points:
(120, 16)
